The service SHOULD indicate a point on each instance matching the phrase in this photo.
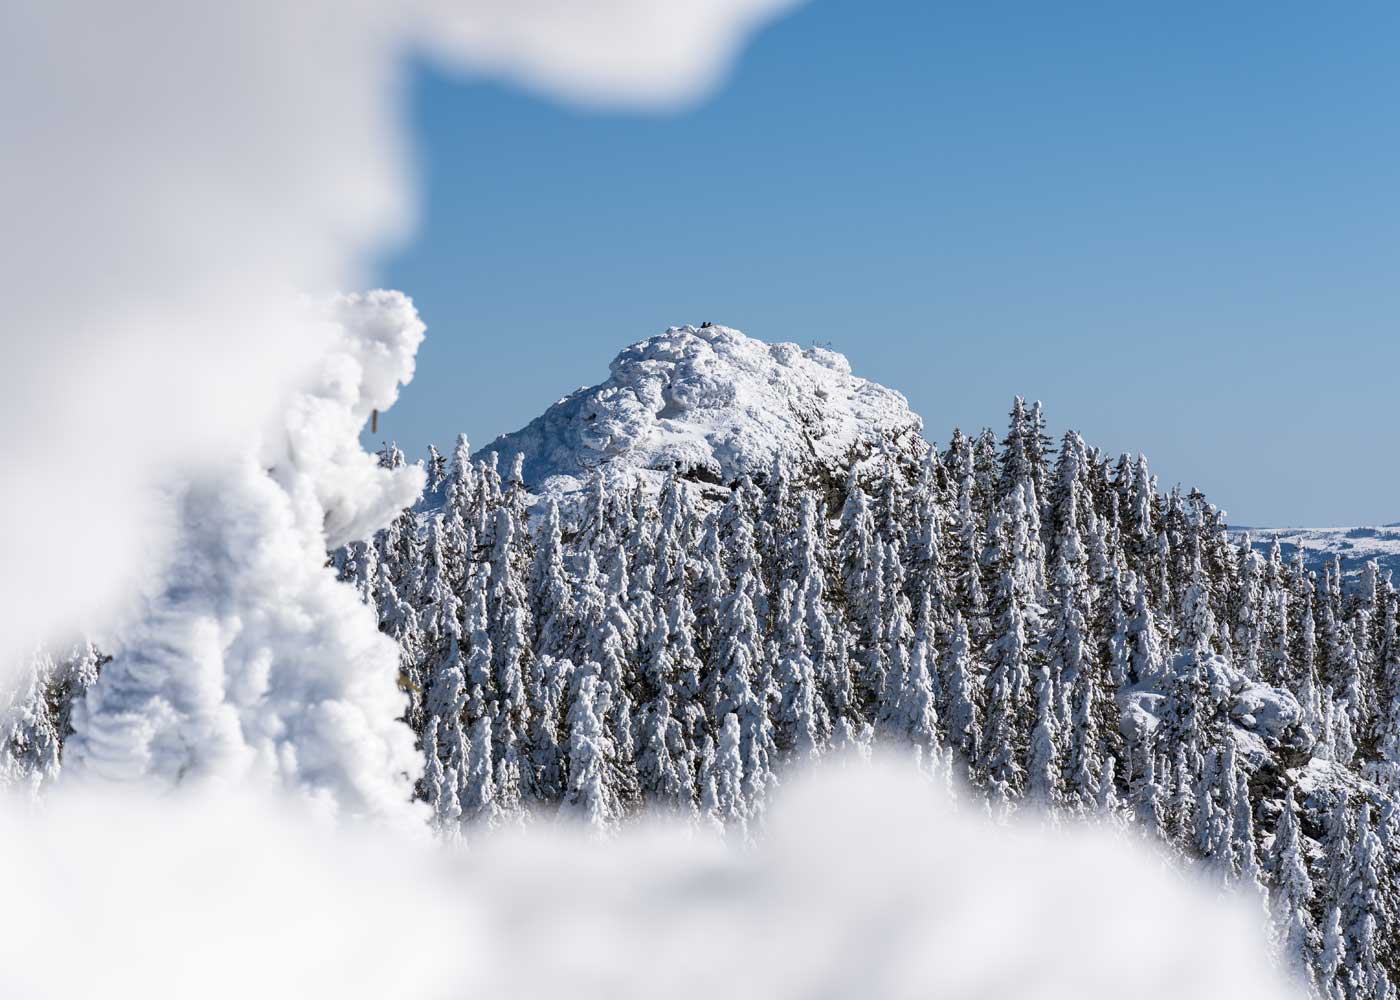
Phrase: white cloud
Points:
(173, 177)
(866, 886)
(631, 52)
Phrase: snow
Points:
(604, 52)
(712, 404)
(252, 665)
(1271, 713)
(868, 884)
(1265, 717)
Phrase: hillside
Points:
(1353, 548)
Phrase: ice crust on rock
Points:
(711, 404)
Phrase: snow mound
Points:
(710, 404)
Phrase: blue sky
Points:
(1176, 224)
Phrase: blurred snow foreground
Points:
(251, 664)
(867, 883)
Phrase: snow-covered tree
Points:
(799, 730)
(1293, 890)
(478, 796)
(963, 686)
(551, 596)
(591, 795)
(722, 781)
(1363, 910)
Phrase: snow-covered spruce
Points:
(698, 589)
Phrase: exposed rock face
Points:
(711, 404)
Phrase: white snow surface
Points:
(715, 404)
(252, 664)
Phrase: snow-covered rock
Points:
(711, 404)
(1268, 720)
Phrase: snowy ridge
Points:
(1353, 546)
(712, 404)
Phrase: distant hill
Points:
(711, 405)
(1353, 546)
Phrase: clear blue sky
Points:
(1177, 224)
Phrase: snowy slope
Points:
(1355, 546)
(712, 404)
